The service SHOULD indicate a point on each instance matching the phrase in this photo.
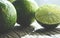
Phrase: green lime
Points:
(48, 15)
(8, 15)
(25, 11)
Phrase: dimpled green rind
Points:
(25, 11)
(8, 15)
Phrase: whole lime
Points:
(48, 15)
(8, 15)
(25, 11)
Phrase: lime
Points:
(49, 15)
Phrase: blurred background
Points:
(40, 2)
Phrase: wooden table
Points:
(28, 33)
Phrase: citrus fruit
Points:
(8, 15)
(48, 15)
(25, 11)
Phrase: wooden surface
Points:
(28, 33)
